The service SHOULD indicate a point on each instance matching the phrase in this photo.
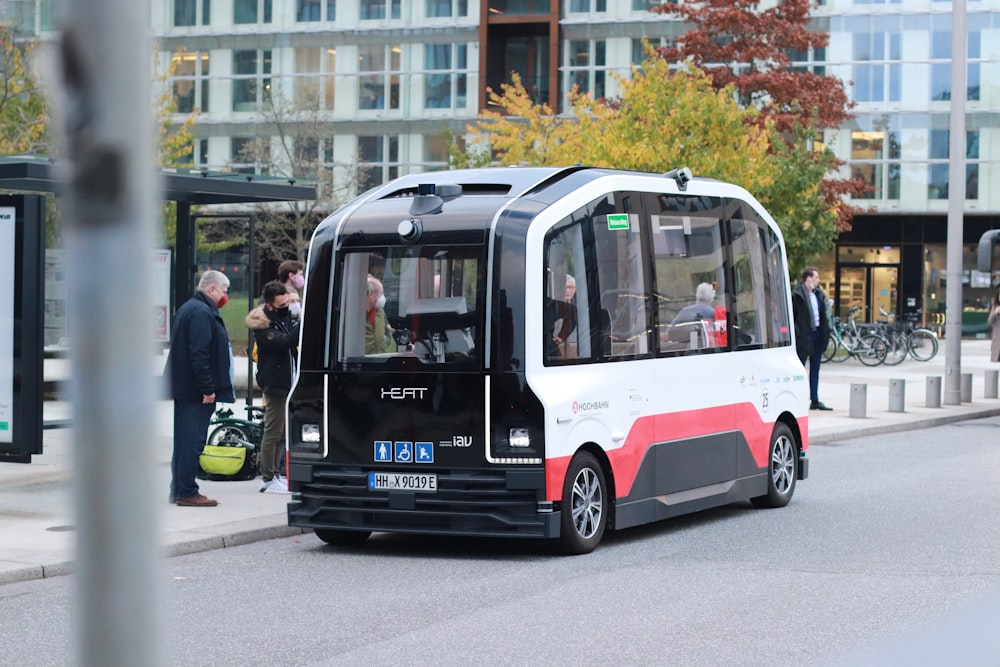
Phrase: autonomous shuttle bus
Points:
(543, 352)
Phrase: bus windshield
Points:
(415, 304)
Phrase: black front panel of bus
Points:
(407, 421)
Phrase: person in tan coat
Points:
(994, 323)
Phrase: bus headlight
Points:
(519, 438)
(310, 433)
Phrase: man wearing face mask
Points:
(375, 322)
(200, 370)
(276, 335)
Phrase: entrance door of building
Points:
(870, 288)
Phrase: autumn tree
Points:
(662, 120)
(296, 144)
(740, 45)
(22, 105)
(175, 142)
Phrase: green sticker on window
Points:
(4, 426)
(618, 221)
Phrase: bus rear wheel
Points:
(783, 458)
(585, 504)
(342, 538)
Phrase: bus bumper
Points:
(487, 503)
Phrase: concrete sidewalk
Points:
(36, 504)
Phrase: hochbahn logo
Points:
(590, 406)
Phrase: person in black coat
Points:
(812, 329)
(276, 335)
(200, 371)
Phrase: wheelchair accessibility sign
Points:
(403, 451)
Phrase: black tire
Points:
(585, 505)
(897, 351)
(342, 538)
(830, 353)
(229, 434)
(871, 349)
(923, 344)
(783, 458)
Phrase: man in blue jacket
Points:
(200, 369)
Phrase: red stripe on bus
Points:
(625, 460)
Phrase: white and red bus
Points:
(542, 365)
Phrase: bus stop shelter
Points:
(25, 181)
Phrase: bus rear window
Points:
(415, 304)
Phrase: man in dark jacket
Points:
(200, 370)
(812, 329)
(276, 335)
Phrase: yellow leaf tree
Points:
(22, 106)
(661, 120)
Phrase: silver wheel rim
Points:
(588, 503)
(783, 464)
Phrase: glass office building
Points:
(389, 78)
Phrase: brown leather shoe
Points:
(197, 501)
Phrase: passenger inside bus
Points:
(376, 326)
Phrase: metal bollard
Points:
(859, 401)
(897, 395)
(966, 387)
(992, 380)
(933, 391)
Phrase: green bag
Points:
(235, 461)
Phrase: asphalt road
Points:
(891, 545)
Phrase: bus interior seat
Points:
(456, 341)
(687, 336)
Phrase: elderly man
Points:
(200, 369)
(375, 322)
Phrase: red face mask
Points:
(224, 300)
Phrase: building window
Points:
(647, 5)
(875, 159)
(878, 71)
(378, 77)
(190, 81)
(202, 157)
(939, 151)
(447, 8)
(185, 12)
(445, 86)
(585, 6)
(252, 11)
(315, 10)
(941, 65)
(251, 79)
(435, 152)
(638, 52)
(587, 67)
(314, 78)
(377, 9)
(247, 154)
(378, 160)
(803, 61)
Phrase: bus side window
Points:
(565, 301)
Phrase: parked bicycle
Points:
(849, 340)
(905, 340)
(229, 428)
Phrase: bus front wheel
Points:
(342, 538)
(783, 457)
(584, 505)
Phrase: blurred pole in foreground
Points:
(104, 58)
(956, 210)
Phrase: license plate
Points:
(402, 481)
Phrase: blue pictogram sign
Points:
(404, 451)
(383, 451)
(425, 452)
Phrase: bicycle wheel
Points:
(923, 344)
(848, 344)
(898, 349)
(872, 349)
(830, 353)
